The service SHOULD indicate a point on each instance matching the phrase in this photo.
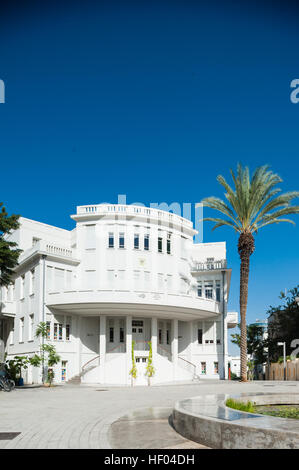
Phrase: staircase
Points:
(76, 379)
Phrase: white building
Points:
(124, 274)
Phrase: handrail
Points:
(84, 365)
(120, 345)
(191, 364)
(167, 351)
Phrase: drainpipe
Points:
(223, 322)
(43, 314)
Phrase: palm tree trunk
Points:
(245, 248)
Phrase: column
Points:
(102, 339)
(174, 346)
(79, 345)
(129, 345)
(190, 346)
(154, 328)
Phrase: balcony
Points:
(101, 210)
(53, 250)
(215, 265)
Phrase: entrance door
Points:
(138, 334)
(141, 363)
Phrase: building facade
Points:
(125, 280)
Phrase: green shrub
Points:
(238, 405)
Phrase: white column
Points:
(154, 338)
(174, 346)
(79, 345)
(190, 347)
(102, 339)
(129, 345)
(102, 348)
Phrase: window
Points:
(184, 247)
(218, 332)
(168, 248)
(136, 241)
(35, 241)
(167, 336)
(121, 278)
(209, 332)
(199, 289)
(31, 325)
(21, 331)
(111, 334)
(209, 289)
(199, 336)
(49, 278)
(137, 279)
(63, 371)
(169, 282)
(160, 244)
(11, 292)
(12, 334)
(48, 330)
(90, 280)
(111, 240)
(160, 336)
(160, 282)
(58, 279)
(68, 329)
(203, 367)
(218, 291)
(90, 237)
(22, 285)
(68, 279)
(216, 368)
(32, 281)
(121, 240)
(146, 241)
(57, 331)
(121, 335)
(137, 322)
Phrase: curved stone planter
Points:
(206, 420)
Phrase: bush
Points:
(238, 405)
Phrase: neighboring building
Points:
(123, 274)
(234, 363)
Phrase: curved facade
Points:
(125, 277)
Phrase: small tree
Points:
(48, 354)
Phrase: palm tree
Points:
(253, 203)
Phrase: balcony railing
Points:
(102, 209)
(210, 265)
(47, 247)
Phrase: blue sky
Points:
(152, 100)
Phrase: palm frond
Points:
(220, 223)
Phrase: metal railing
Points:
(164, 352)
(210, 265)
(120, 348)
(85, 369)
(188, 366)
(141, 345)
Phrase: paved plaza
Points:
(97, 417)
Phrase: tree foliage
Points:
(9, 254)
(255, 343)
(283, 324)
